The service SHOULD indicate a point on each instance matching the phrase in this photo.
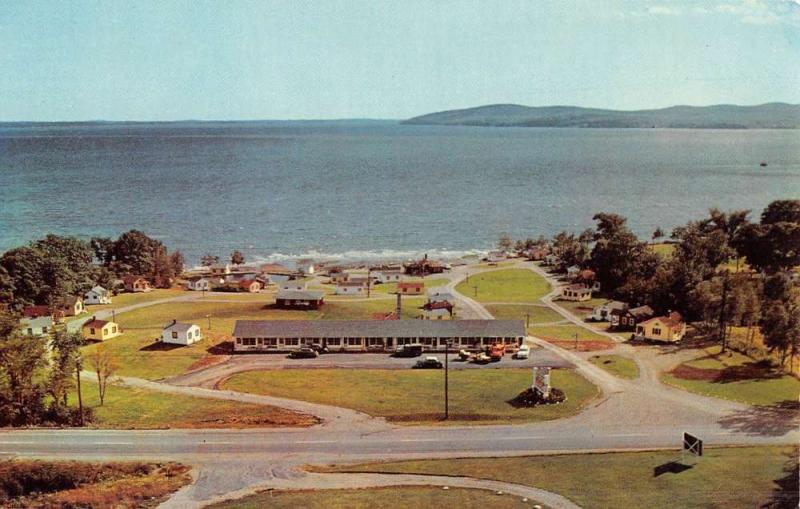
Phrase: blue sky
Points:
(167, 60)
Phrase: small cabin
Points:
(100, 330)
(576, 292)
(97, 295)
(136, 284)
(410, 287)
(351, 288)
(670, 328)
(199, 285)
(181, 333)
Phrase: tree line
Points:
(701, 277)
(49, 270)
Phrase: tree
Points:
(519, 246)
(48, 270)
(505, 242)
(781, 328)
(237, 258)
(781, 211)
(103, 248)
(617, 253)
(65, 348)
(22, 360)
(162, 270)
(178, 262)
(136, 253)
(105, 367)
(774, 244)
(571, 250)
(207, 260)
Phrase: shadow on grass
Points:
(158, 346)
(221, 348)
(768, 420)
(670, 467)
(786, 494)
(753, 370)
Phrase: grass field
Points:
(537, 314)
(138, 354)
(415, 396)
(722, 478)
(129, 299)
(127, 407)
(430, 282)
(64, 484)
(617, 365)
(507, 285)
(735, 377)
(402, 497)
(364, 309)
(565, 333)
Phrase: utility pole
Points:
(369, 280)
(527, 320)
(576, 341)
(209, 321)
(476, 290)
(723, 305)
(78, 368)
(446, 372)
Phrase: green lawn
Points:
(364, 309)
(617, 365)
(414, 396)
(129, 299)
(429, 283)
(722, 478)
(581, 309)
(401, 497)
(138, 355)
(537, 314)
(507, 285)
(663, 249)
(735, 377)
(128, 407)
(565, 333)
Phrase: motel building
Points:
(374, 335)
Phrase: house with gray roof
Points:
(374, 335)
(299, 299)
(97, 295)
(181, 333)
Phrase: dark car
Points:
(408, 351)
(303, 353)
(428, 363)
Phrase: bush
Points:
(530, 398)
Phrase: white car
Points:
(523, 353)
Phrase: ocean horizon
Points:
(371, 189)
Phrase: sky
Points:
(175, 60)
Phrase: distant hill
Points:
(722, 116)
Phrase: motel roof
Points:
(378, 328)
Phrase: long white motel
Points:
(373, 335)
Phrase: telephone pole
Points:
(78, 368)
(446, 387)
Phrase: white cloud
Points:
(663, 10)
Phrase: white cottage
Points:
(440, 294)
(199, 285)
(350, 288)
(602, 313)
(97, 295)
(37, 326)
(573, 271)
(299, 285)
(181, 333)
(387, 276)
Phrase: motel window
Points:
(30, 332)
(353, 341)
(656, 331)
(189, 335)
(334, 341)
(174, 335)
(291, 341)
(44, 330)
(238, 341)
(91, 331)
(249, 341)
(270, 341)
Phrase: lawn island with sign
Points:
(540, 392)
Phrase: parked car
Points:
(408, 351)
(303, 353)
(523, 353)
(482, 358)
(464, 355)
(428, 363)
(496, 352)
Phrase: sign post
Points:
(692, 445)
(541, 381)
